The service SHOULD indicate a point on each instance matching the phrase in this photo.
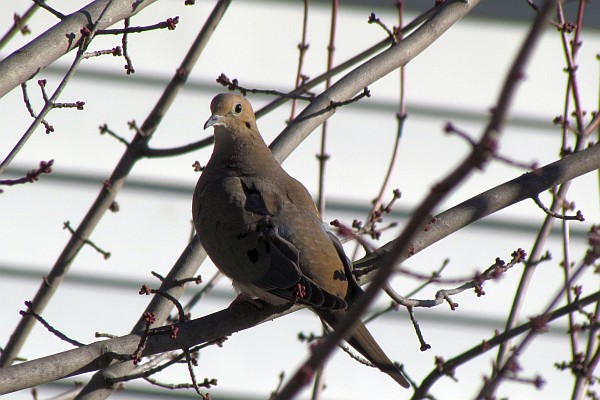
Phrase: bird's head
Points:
(232, 112)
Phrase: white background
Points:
(257, 43)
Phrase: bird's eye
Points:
(237, 109)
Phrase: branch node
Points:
(105, 254)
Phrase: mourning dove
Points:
(261, 228)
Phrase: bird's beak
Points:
(213, 120)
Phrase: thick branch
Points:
(319, 110)
(242, 316)
(191, 258)
(60, 39)
(110, 190)
(489, 202)
(99, 355)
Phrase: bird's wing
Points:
(284, 276)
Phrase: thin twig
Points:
(105, 254)
(577, 217)
(449, 366)
(279, 383)
(32, 176)
(129, 65)
(146, 290)
(424, 345)
(434, 275)
(335, 104)
(169, 23)
(493, 272)
(539, 325)
(233, 84)
(150, 152)
(143, 372)
(190, 364)
(49, 128)
(323, 157)
(46, 325)
(302, 49)
(567, 271)
(105, 129)
(19, 25)
(570, 51)
(149, 320)
(450, 128)
(49, 104)
(373, 19)
(205, 289)
(115, 52)
(42, 4)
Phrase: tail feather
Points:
(360, 338)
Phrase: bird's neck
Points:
(242, 152)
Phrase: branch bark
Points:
(242, 316)
(101, 354)
(319, 110)
(109, 191)
(489, 202)
(63, 37)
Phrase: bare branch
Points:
(169, 23)
(19, 25)
(201, 330)
(47, 325)
(495, 199)
(56, 13)
(62, 38)
(576, 217)
(450, 365)
(32, 176)
(82, 44)
(107, 195)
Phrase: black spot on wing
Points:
(348, 273)
(253, 255)
(339, 275)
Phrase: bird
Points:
(261, 228)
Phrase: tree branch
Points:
(108, 193)
(364, 75)
(61, 39)
(193, 255)
(242, 316)
(461, 359)
(522, 188)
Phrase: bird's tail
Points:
(360, 338)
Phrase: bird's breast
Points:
(227, 231)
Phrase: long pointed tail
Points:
(361, 339)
